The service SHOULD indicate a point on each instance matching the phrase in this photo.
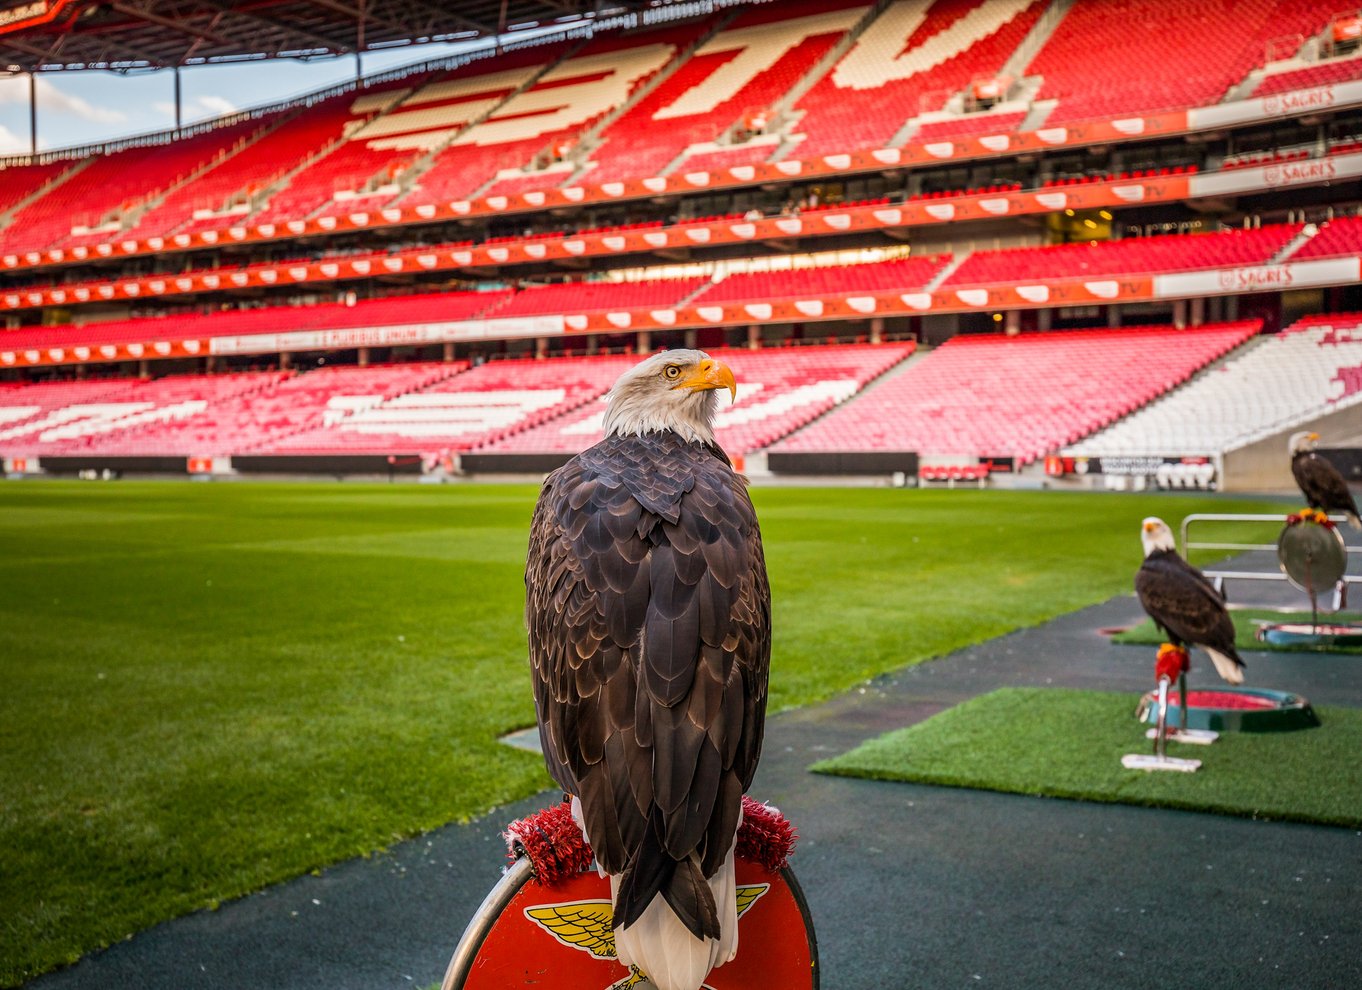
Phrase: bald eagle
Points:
(1183, 603)
(649, 619)
(1320, 482)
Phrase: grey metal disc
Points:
(1312, 557)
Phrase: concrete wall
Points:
(1264, 466)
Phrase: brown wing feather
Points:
(649, 616)
(1183, 603)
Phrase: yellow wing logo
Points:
(585, 925)
(589, 925)
(747, 896)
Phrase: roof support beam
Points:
(166, 22)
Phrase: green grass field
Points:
(1068, 744)
(211, 688)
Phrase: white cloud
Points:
(165, 107)
(219, 106)
(11, 143)
(13, 89)
(51, 98)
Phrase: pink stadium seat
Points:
(725, 158)
(908, 273)
(514, 135)
(1321, 74)
(1202, 48)
(18, 182)
(576, 297)
(486, 403)
(649, 136)
(996, 396)
(107, 187)
(1341, 236)
(779, 389)
(890, 76)
(1132, 256)
(213, 415)
(984, 123)
(389, 311)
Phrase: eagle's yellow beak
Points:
(710, 374)
(1313, 437)
(1149, 527)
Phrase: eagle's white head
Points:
(1155, 535)
(674, 390)
(1301, 442)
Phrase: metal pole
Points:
(33, 113)
(359, 42)
(1160, 730)
(178, 102)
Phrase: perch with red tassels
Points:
(548, 921)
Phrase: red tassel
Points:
(553, 843)
(765, 836)
(557, 850)
(1171, 662)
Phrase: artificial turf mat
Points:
(1053, 742)
(1246, 623)
(209, 688)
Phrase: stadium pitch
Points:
(211, 688)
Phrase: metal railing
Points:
(1219, 577)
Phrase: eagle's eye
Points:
(671, 372)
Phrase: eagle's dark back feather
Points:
(1184, 604)
(1321, 483)
(649, 631)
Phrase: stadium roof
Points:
(131, 35)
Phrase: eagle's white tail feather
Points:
(1227, 668)
(1354, 521)
(660, 945)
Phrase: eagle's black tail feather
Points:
(682, 884)
(692, 900)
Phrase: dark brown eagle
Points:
(1183, 603)
(1320, 482)
(649, 621)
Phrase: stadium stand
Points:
(779, 390)
(1202, 48)
(341, 159)
(1342, 235)
(489, 402)
(1319, 74)
(390, 311)
(100, 195)
(127, 407)
(571, 297)
(748, 65)
(980, 123)
(1140, 255)
(990, 395)
(786, 283)
(911, 60)
(530, 127)
(207, 416)
(1291, 378)
(19, 182)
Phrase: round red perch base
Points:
(1233, 710)
(548, 922)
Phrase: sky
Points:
(82, 108)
